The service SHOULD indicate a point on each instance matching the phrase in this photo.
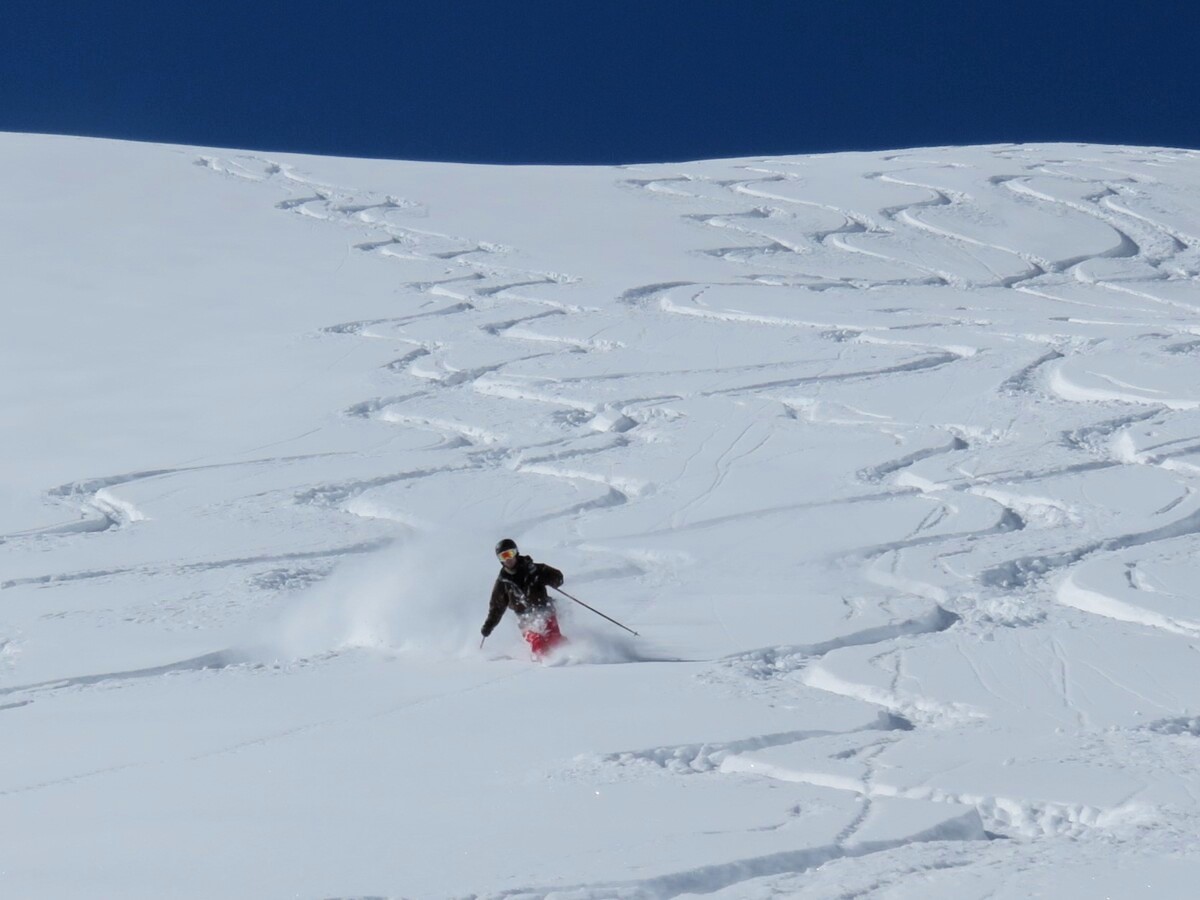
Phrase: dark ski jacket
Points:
(523, 590)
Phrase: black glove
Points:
(485, 630)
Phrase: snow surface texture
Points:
(891, 458)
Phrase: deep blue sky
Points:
(607, 81)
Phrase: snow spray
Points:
(423, 597)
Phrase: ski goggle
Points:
(506, 555)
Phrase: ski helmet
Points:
(505, 544)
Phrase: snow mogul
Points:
(521, 587)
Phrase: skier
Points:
(521, 587)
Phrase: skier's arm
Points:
(499, 603)
(550, 576)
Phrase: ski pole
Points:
(597, 612)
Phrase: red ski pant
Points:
(546, 638)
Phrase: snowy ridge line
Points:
(69, 779)
(1022, 382)
(877, 473)
(402, 362)
(904, 215)
(507, 390)
(93, 485)
(448, 376)
(1067, 389)
(359, 327)
(103, 511)
(611, 441)
(1168, 246)
(1125, 450)
(610, 499)
(365, 211)
(776, 662)
(856, 222)
(645, 293)
(43, 580)
(516, 333)
(331, 495)
(916, 709)
(467, 435)
(219, 659)
(1100, 208)
(756, 514)
(1017, 477)
(668, 305)
(488, 283)
(363, 547)
(1183, 238)
(1089, 437)
(496, 329)
(860, 224)
(922, 364)
(828, 238)
(711, 878)
(1039, 265)
(1035, 512)
(626, 488)
(86, 524)
(355, 209)
(690, 759)
(245, 166)
(1007, 521)
(704, 188)
(1010, 816)
(483, 282)
(1071, 593)
(367, 408)
(637, 374)
(116, 511)
(1020, 573)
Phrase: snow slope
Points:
(891, 458)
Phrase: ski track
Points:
(180, 568)
(788, 239)
(708, 879)
(217, 660)
(1138, 238)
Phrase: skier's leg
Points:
(542, 635)
(538, 643)
(553, 637)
